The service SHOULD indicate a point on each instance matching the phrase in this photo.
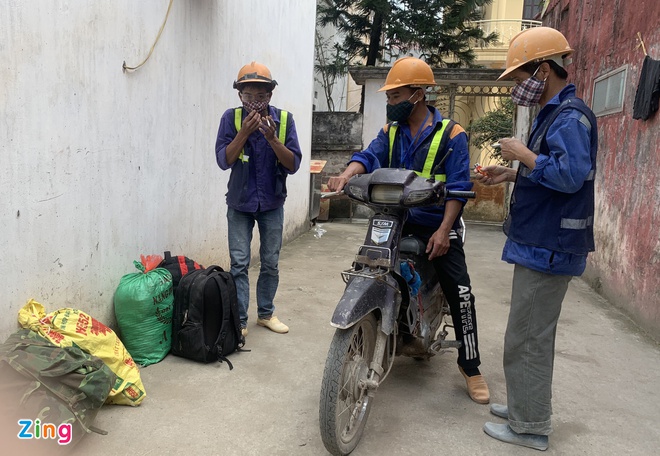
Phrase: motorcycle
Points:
(392, 304)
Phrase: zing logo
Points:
(63, 433)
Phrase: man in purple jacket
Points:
(260, 144)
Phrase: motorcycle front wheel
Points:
(345, 405)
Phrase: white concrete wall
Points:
(375, 110)
(99, 166)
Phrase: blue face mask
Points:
(401, 111)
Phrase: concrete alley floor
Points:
(607, 376)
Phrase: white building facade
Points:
(101, 165)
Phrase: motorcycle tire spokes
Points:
(345, 403)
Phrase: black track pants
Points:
(455, 282)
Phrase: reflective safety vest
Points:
(542, 217)
(238, 123)
(439, 142)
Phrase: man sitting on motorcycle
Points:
(418, 138)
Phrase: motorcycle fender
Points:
(364, 295)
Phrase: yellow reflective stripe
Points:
(392, 132)
(437, 177)
(283, 118)
(284, 115)
(238, 122)
(430, 157)
(433, 151)
(238, 118)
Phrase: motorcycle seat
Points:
(412, 244)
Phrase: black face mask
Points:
(401, 111)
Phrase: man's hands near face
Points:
(267, 128)
(254, 121)
(251, 122)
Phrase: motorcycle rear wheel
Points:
(344, 403)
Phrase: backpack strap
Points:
(230, 319)
(221, 282)
(233, 304)
(182, 301)
(196, 291)
(182, 305)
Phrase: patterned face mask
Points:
(400, 111)
(255, 106)
(528, 92)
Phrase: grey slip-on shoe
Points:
(504, 433)
(500, 410)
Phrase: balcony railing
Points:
(506, 28)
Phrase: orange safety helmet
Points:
(408, 71)
(535, 44)
(254, 72)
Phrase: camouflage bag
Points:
(45, 388)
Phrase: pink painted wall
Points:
(626, 265)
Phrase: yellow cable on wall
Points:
(124, 67)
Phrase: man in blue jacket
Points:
(420, 139)
(259, 143)
(549, 227)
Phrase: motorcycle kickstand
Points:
(442, 345)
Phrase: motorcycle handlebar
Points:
(326, 195)
(461, 194)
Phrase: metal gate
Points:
(465, 103)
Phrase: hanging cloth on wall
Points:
(648, 90)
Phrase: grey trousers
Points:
(529, 348)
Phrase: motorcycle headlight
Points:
(417, 196)
(386, 194)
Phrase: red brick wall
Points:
(626, 265)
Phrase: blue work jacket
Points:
(413, 156)
(550, 224)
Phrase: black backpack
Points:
(205, 322)
(178, 266)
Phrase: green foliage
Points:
(493, 126)
(442, 32)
